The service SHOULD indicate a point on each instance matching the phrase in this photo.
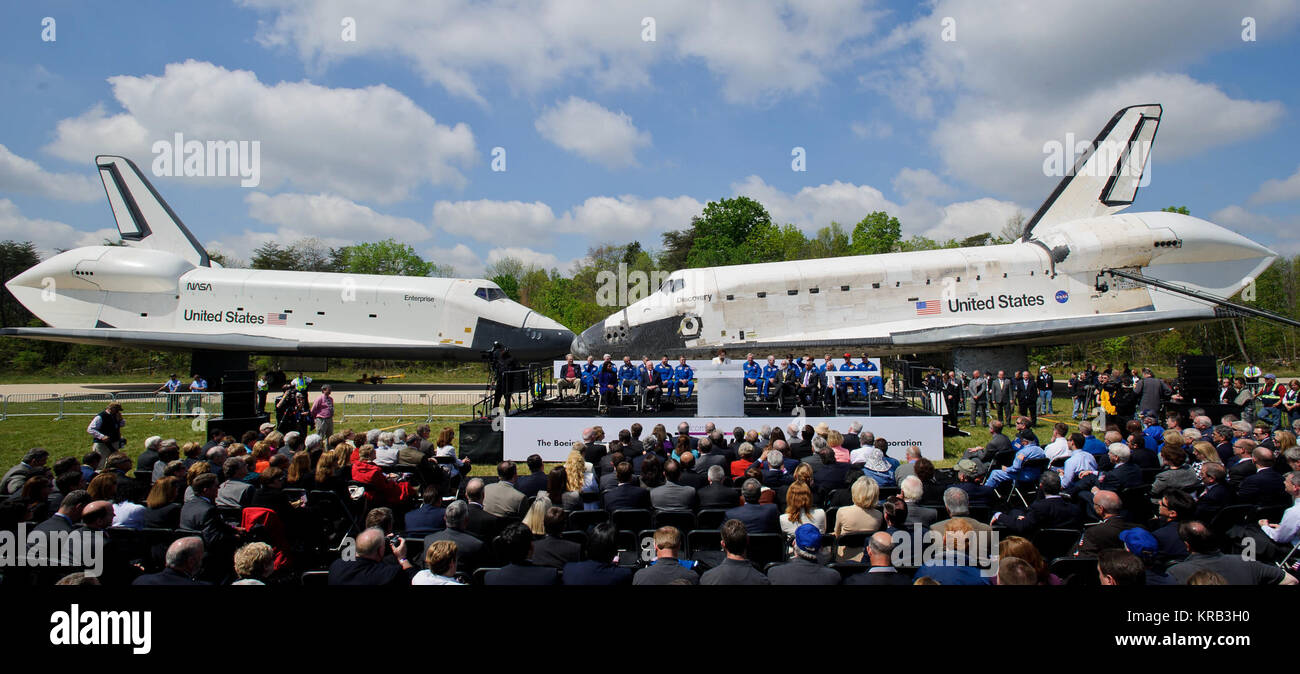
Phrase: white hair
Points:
(314, 440)
(386, 438)
(1120, 451)
(912, 488)
(152, 442)
(399, 436)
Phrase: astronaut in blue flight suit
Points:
(753, 373)
(851, 383)
(665, 370)
(590, 370)
(770, 374)
(683, 375)
(628, 376)
(873, 377)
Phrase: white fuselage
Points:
(940, 299)
(138, 289)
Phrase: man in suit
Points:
(667, 568)
(1266, 487)
(1105, 535)
(609, 480)
(1243, 464)
(627, 494)
(998, 442)
(978, 388)
(717, 494)
(880, 553)
(757, 518)
(219, 539)
(480, 523)
(599, 567)
(1000, 396)
(1123, 475)
(804, 568)
(735, 568)
(684, 431)
(1051, 510)
(1206, 555)
(551, 550)
(1216, 495)
(184, 557)
(716, 455)
(430, 516)
(853, 438)
(687, 476)
(33, 464)
(653, 385)
(68, 516)
(471, 552)
(501, 499)
(912, 489)
(672, 495)
(1026, 396)
(1175, 508)
(535, 480)
(369, 568)
(517, 546)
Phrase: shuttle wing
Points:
(230, 341)
(1106, 176)
(143, 219)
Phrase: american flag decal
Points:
(927, 308)
(277, 319)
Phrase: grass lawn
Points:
(451, 373)
(68, 437)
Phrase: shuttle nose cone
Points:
(591, 342)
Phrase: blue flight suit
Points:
(665, 371)
(879, 381)
(683, 375)
(754, 371)
(629, 376)
(851, 383)
(770, 372)
(589, 373)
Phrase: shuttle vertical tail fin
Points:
(143, 218)
(1106, 177)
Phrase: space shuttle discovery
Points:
(1069, 278)
(160, 290)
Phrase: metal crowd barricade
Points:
(32, 405)
(399, 406)
(83, 405)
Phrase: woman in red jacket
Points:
(379, 487)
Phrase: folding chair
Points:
(480, 574)
(1023, 490)
(314, 578)
(1075, 570)
(710, 518)
(682, 521)
(847, 569)
(1055, 543)
(631, 519)
(582, 520)
(766, 548)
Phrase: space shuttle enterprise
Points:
(160, 290)
(1078, 272)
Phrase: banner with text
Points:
(552, 437)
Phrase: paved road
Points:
(145, 387)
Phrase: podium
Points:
(720, 390)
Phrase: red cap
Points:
(848, 355)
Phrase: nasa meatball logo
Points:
(1062, 296)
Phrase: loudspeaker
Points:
(479, 443)
(240, 394)
(1197, 379)
(236, 426)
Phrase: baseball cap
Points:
(808, 538)
(1269, 376)
(1140, 542)
(848, 355)
(969, 467)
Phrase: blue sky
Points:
(609, 137)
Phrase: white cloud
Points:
(1274, 190)
(592, 132)
(465, 262)
(372, 143)
(24, 176)
(814, 207)
(1020, 74)
(489, 220)
(48, 236)
(871, 129)
(628, 215)
(331, 215)
(755, 50)
(915, 184)
(1000, 148)
(528, 256)
(968, 218)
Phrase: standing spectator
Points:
(170, 389)
(1044, 384)
(322, 412)
(1000, 394)
(979, 399)
(105, 430)
(1026, 396)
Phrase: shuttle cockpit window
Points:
(673, 285)
(490, 294)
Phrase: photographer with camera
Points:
(106, 429)
(502, 363)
